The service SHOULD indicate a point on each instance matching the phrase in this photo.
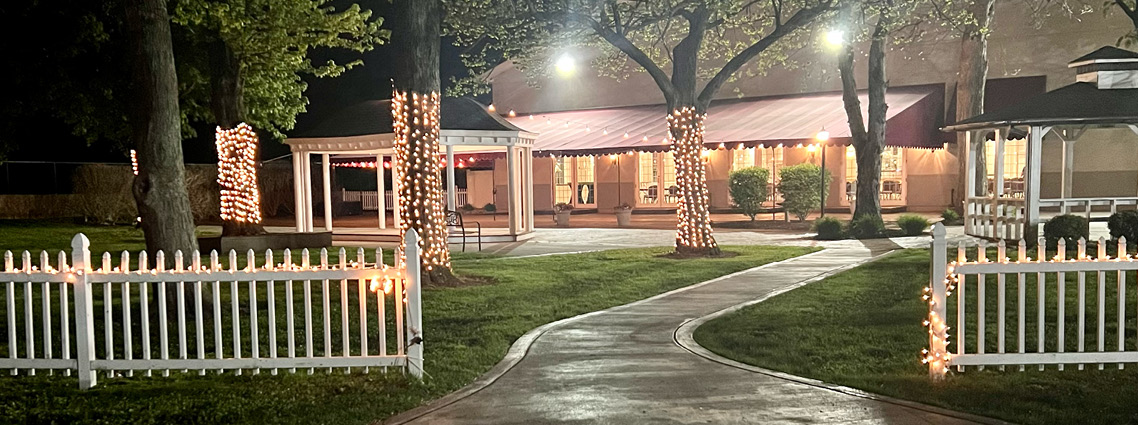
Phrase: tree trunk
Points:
(415, 110)
(971, 83)
(227, 103)
(686, 126)
(160, 187)
(868, 145)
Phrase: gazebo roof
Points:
(1106, 53)
(374, 117)
(1078, 103)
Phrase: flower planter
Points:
(623, 218)
(561, 218)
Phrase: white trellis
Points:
(951, 282)
(232, 322)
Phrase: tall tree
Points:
(155, 120)
(971, 84)
(706, 43)
(415, 113)
(255, 52)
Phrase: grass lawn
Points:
(862, 329)
(467, 331)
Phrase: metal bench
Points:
(457, 227)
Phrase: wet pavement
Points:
(623, 366)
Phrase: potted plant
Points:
(561, 212)
(623, 214)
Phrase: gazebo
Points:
(365, 129)
(1104, 96)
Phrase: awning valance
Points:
(914, 115)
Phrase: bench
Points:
(457, 227)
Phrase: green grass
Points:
(862, 329)
(467, 331)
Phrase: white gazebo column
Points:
(298, 190)
(512, 187)
(1068, 168)
(969, 185)
(396, 187)
(527, 182)
(307, 192)
(1032, 180)
(1000, 215)
(452, 195)
(381, 192)
(326, 168)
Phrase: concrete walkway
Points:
(623, 366)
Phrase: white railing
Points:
(370, 201)
(956, 285)
(995, 217)
(1086, 205)
(225, 317)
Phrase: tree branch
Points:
(800, 19)
(625, 45)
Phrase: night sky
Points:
(326, 96)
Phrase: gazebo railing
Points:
(1086, 205)
(995, 217)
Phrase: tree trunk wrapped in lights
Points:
(693, 230)
(416, 125)
(237, 176)
(415, 118)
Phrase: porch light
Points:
(811, 148)
(823, 135)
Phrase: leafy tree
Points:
(415, 110)
(247, 58)
(705, 42)
(1073, 8)
(748, 189)
(882, 22)
(800, 189)
(159, 189)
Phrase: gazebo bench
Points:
(457, 227)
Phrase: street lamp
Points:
(822, 137)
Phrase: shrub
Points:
(562, 207)
(748, 187)
(950, 216)
(801, 188)
(912, 224)
(867, 226)
(1068, 227)
(1124, 223)
(828, 228)
(468, 208)
(490, 207)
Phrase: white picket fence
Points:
(226, 318)
(952, 283)
(369, 200)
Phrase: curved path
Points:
(623, 366)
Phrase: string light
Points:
(693, 231)
(415, 122)
(134, 161)
(237, 174)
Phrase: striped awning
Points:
(914, 117)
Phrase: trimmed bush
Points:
(1124, 223)
(468, 208)
(950, 216)
(490, 207)
(867, 227)
(1068, 227)
(912, 224)
(828, 228)
(801, 189)
(748, 187)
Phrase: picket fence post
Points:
(84, 311)
(414, 304)
(938, 335)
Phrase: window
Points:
(742, 158)
(574, 181)
(892, 173)
(1015, 156)
(657, 178)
